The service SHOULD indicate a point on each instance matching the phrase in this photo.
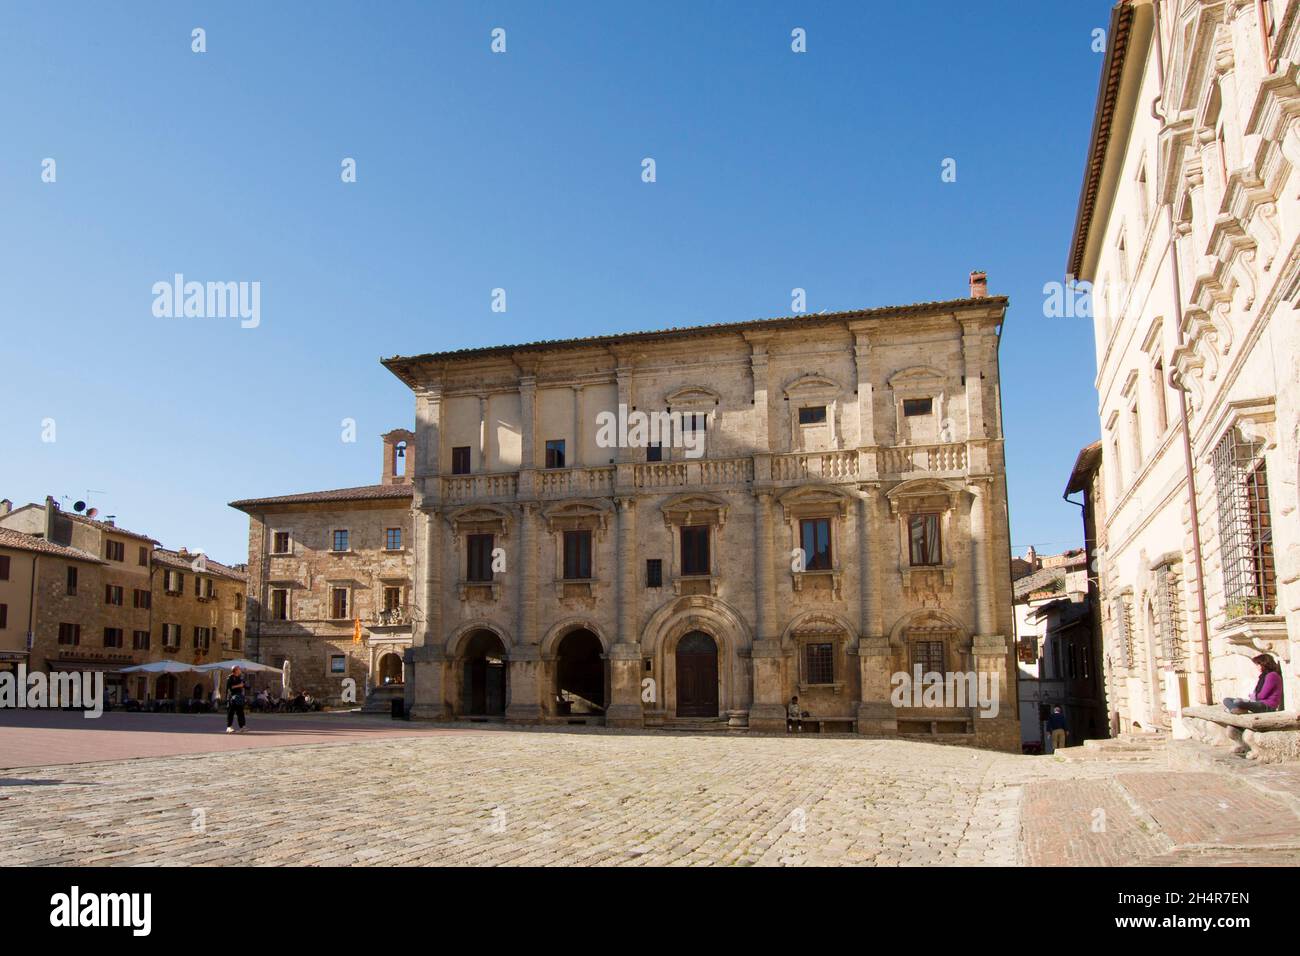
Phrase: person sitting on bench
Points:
(793, 716)
(1267, 695)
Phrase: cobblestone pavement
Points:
(572, 797)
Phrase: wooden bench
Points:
(1269, 738)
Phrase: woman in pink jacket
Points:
(1266, 696)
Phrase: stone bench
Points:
(1269, 738)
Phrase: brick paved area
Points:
(41, 738)
(396, 795)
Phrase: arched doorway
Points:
(580, 674)
(483, 693)
(697, 676)
(165, 687)
(390, 669)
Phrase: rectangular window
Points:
(1158, 392)
(72, 579)
(338, 603)
(555, 453)
(923, 537)
(393, 539)
(113, 595)
(1245, 527)
(280, 604)
(112, 637)
(4, 567)
(173, 582)
(338, 664)
(654, 452)
(4, 616)
(929, 654)
(819, 663)
(392, 598)
(478, 549)
(280, 543)
(815, 539)
(171, 635)
(577, 555)
(202, 638)
(654, 573)
(114, 550)
(70, 634)
(812, 415)
(140, 640)
(695, 549)
(141, 599)
(340, 542)
(917, 406)
(239, 601)
(460, 460)
(144, 557)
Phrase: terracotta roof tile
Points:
(363, 493)
(27, 542)
(174, 559)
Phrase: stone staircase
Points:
(1129, 748)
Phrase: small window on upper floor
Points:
(280, 543)
(555, 453)
(917, 406)
(654, 452)
(812, 415)
(393, 539)
(460, 460)
(340, 542)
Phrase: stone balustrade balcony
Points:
(951, 460)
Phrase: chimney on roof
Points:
(184, 552)
(6, 506)
(979, 284)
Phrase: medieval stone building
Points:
(689, 527)
(329, 577)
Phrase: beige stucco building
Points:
(845, 518)
(1188, 225)
(90, 596)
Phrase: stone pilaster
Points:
(425, 688)
(625, 709)
(525, 574)
(767, 711)
(525, 685)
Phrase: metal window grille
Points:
(929, 654)
(1245, 527)
(819, 663)
(1122, 612)
(1169, 616)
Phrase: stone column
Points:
(866, 394)
(998, 728)
(767, 711)
(482, 433)
(525, 703)
(876, 714)
(980, 596)
(527, 432)
(424, 662)
(625, 671)
(623, 378)
(575, 457)
(758, 366)
(972, 351)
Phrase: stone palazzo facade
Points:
(846, 520)
(1189, 228)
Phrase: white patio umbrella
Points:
(249, 667)
(160, 667)
(284, 678)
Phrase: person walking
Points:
(1056, 724)
(235, 687)
(1267, 695)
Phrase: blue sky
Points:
(520, 170)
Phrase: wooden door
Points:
(697, 676)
